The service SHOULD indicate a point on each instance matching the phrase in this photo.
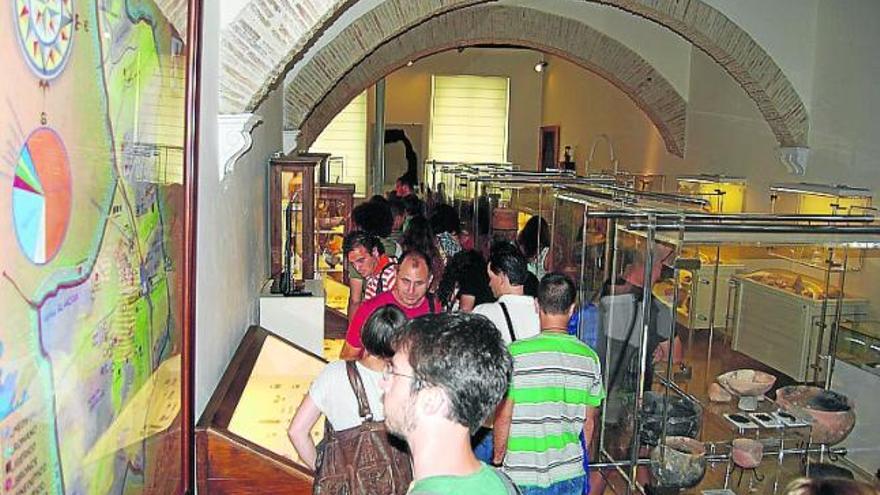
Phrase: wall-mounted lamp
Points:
(540, 66)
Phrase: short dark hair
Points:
(379, 330)
(357, 238)
(374, 217)
(445, 219)
(505, 258)
(556, 293)
(463, 354)
(397, 208)
(413, 205)
(407, 179)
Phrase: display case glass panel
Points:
(725, 194)
(277, 384)
(99, 157)
(293, 201)
(333, 217)
(808, 199)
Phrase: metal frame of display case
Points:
(838, 192)
(719, 193)
(657, 223)
(517, 181)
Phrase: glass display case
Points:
(782, 314)
(725, 194)
(242, 435)
(859, 344)
(640, 181)
(806, 198)
(293, 200)
(333, 216)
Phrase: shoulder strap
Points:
(354, 378)
(511, 488)
(431, 303)
(509, 322)
(392, 262)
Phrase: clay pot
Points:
(683, 417)
(747, 382)
(747, 453)
(683, 465)
(718, 394)
(832, 414)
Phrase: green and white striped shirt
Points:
(555, 378)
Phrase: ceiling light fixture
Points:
(540, 66)
(409, 64)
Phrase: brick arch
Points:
(251, 65)
(306, 111)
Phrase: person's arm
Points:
(466, 303)
(300, 430)
(503, 417)
(355, 295)
(351, 350)
(590, 427)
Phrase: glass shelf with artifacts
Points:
(293, 200)
(822, 199)
(725, 194)
(333, 216)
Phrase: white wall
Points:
(785, 29)
(231, 259)
(408, 94)
(667, 52)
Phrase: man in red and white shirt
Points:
(366, 254)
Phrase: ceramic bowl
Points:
(679, 463)
(747, 382)
(832, 414)
(747, 453)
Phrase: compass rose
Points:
(45, 28)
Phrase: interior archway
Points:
(704, 26)
(307, 112)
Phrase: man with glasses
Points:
(448, 373)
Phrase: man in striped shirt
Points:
(553, 397)
(366, 254)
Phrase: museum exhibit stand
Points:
(776, 367)
(241, 439)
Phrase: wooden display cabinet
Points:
(293, 178)
(335, 204)
(241, 439)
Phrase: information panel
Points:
(91, 245)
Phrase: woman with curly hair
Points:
(465, 283)
(446, 226)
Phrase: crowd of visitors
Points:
(480, 364)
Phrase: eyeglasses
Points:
(389, 371)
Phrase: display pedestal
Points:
(241, 438)
(299, 319)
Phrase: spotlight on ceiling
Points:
(409, 64)
(540, 66)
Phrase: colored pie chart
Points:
(41, 195)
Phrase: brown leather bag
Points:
(364, 460)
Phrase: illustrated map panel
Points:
(91, 245)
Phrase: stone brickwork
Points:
(269, 36)
(306, 110)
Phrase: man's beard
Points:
(405, 424)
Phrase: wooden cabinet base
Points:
(229, 465)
